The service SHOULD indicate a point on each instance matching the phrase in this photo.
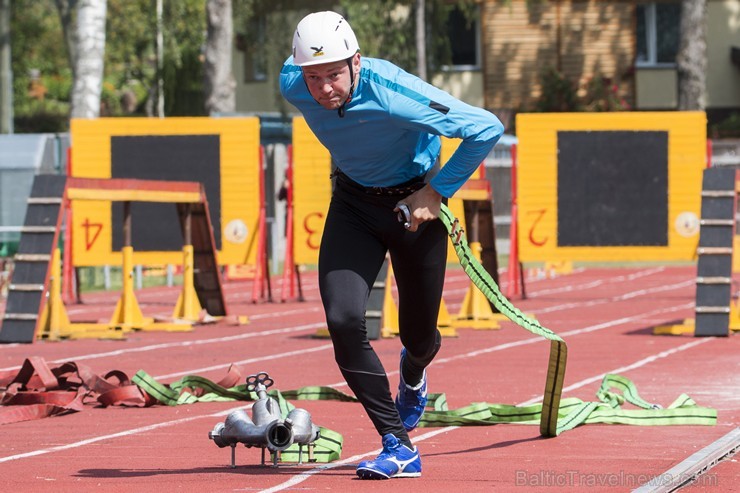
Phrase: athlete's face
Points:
(329, 83)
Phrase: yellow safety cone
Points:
(558, 268)
(128, 315)
(54, 323)
(681, 327)
(389, 317)
(735, 315)
(444, 321)
(188, 306)
(475, 311)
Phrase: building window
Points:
(252, 45)
(464, 36)
(658, 33)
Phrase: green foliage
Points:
(39, 61)
(7, 249)
(92, 279)
(438, 41)
(602, 94)
(729, 127)
(183, 86)
(130, 43)
(110, 102)
(384, 29)
(185, 35)
(131, 57)
(265, 29)
(58, 86)
(43, 75)
(41, 117)
(561, 94)
(558, 92)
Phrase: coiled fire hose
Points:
(483, 280)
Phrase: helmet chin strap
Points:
(340, 110)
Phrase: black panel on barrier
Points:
(155, 226)
(612, 188)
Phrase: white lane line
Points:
(272, 357)
(499, 347)
(196, 342)
(624, 369)
(575, 332)
(301, 477)
(283, 313)
(598, 282)
(570, 288)
(235, 290)
(621, 297)
(272, 314)
(658, 311)
(588, 304)
(443, 360)
(538, 339)
(120, 434)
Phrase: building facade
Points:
(621, 50)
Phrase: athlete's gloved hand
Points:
(421, 206)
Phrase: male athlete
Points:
(382, 127)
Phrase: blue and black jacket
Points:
(390, 130)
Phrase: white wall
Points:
(723, 32)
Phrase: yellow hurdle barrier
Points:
(55, 325)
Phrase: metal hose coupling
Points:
(266, 429)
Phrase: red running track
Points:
(605, 316)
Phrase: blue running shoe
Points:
(395, 461)
(411, 401)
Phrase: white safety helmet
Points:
(323, 37)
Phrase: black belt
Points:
(403, 189)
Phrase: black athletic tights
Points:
(360, 228)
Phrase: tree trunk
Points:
(6, 71)
(88, 71)
(219, 81)
(692, 56)
(421, 40)
(66, 8)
